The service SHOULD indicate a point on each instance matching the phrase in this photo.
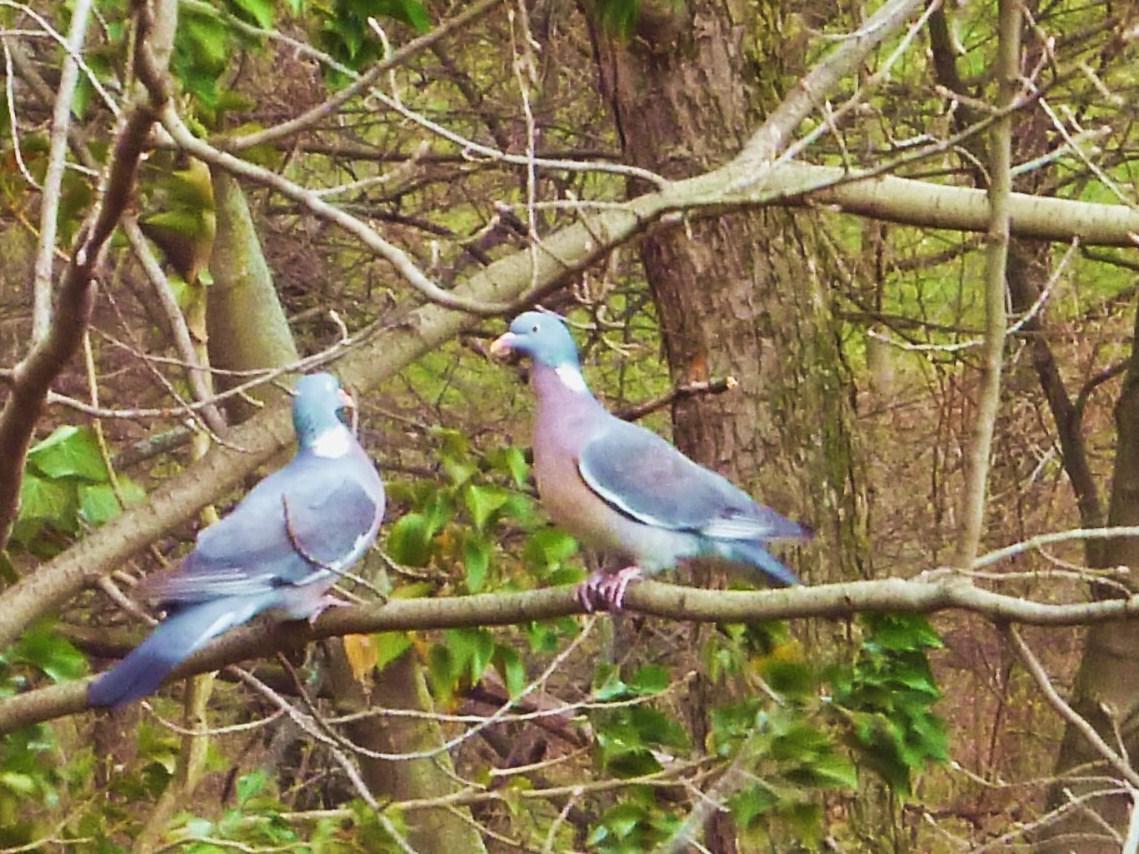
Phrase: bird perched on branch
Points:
(280, 549)
(620, 488)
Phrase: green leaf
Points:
(390, 646)
(414, 13)
(751, 803)
(511, 460)
(260, 12)
(483, 502)
(47, 501)
(21, 784)
(472, 650)
(250, 785)
(409, 542)
(99, 504)
(548, 548)
(607, 683)
(512, 669)
(476, 561)
(69, 452)
(650, 679)
(42, 647)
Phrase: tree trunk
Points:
(1106, 691)
(401, 685)
(736, 296)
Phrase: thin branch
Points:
(360, 85)
(680, 392)
(1073, 718)
(53, 176)
(989, 394)
(813, 88)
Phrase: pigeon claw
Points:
(328, 601)
(607, 589)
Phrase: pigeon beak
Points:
(349, 402)
(502, 346)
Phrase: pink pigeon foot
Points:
(327, 601)
(607, 589)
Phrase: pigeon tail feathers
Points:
(172, 642)
(754, 554)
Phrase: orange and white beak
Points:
(502, 346)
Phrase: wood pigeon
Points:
(620, 488)
(283, 546)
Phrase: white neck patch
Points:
(333, 443)
(571, 378)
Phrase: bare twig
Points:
(988, 396)
(53, 176)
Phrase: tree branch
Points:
(996, 320)
(831, 601)
(53, 175)
(32, 378)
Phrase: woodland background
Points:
(876, 262)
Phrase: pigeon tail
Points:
(172, 642)
(754, 554)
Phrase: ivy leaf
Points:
(509, 664)
(409, 542)
(98, 503)
(48, 501)
(259, 12)
(548, 548)
(69, 452)
(390, 646)
(44, 648)
(483, 502)
(476, 561)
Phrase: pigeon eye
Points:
(534, 328)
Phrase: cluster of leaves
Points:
(789, 742)
(887, 696)
(464, 522)
(33, 770)
(67, 486)
(347, 37)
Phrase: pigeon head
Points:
(317, 405)
(540, 335)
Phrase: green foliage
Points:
(255, 820)
(28, 776)
(344, 32)
(43, 649)
(887, 697)
(464, 655)
(634, 825)
(628, 735)
(66, 486)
